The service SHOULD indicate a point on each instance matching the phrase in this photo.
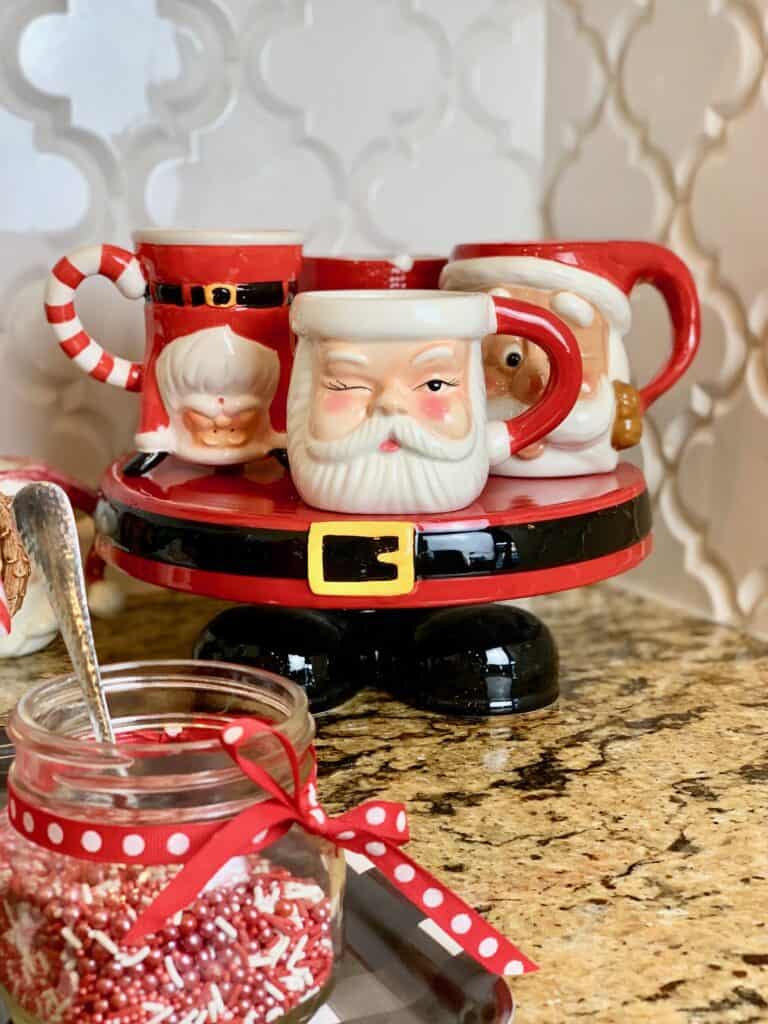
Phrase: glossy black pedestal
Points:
(480, 660)
(474, 660)
(317, 650)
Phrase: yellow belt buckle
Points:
(402, 557)
(208, 290)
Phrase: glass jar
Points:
(259, 942)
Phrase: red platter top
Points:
(262, 496)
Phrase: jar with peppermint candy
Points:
(157, 880)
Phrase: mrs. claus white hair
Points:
(216, 361)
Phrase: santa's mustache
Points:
(378, 428)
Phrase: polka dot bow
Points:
(375, 829)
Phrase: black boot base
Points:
(311, 648)
(470, 708)
(475, 661)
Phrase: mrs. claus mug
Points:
(218, 354)
(387, 409)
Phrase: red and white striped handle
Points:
(5, 613)
(121, 267)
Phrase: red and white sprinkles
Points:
(247, 952)
(222, 934)
(121, 267)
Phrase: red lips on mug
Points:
(215, 374)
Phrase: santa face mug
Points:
(218, 353)
(588, 284)
(386, 408)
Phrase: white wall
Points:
(386, 125)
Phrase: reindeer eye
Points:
(513, 359)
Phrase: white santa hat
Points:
(492, 272)
(404, 315)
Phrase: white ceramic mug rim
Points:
(205, 236)
(393, 314)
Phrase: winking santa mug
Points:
(387, 408)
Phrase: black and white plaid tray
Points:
(399, 966)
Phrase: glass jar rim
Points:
(23, 719)
(58, 764)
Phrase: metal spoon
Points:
(46, 523)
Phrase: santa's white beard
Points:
(383, 483)
(427, 474)
(589, 420)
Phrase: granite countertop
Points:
(620, 839)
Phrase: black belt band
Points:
(238, 551)
(256, 295)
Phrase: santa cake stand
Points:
(338, 602)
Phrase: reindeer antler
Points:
(14, 563)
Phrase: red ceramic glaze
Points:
(623, 265)
(249, 499)
(193, 263)
(330, 273)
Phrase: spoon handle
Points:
(47, 526)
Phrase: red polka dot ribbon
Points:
(376, 829)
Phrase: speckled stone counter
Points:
(621, 838)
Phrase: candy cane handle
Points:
(123, 269)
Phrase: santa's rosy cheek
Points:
(434, 407)
(338, 401)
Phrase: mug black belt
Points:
(222, 295)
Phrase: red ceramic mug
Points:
(215, 374)
(335, 273)
(588, 285)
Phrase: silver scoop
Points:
(46, 523)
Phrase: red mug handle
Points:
(123, 269)
(538, 325)
(658, 266)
